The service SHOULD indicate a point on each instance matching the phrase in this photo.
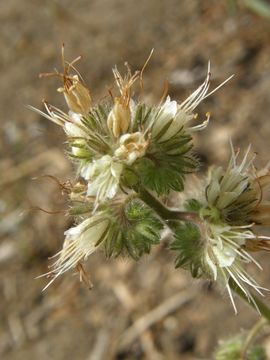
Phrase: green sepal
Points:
(113, 246)
(83, 154)
(141, 116)
(96, 119)
(189, 248)
(178, 144)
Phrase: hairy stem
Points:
(171, 214)
(166, 213)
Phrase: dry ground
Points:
(183, 318)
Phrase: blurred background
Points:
(145, 310)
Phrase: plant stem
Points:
(251, 335)
(170, 214)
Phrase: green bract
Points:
(189, 249)
(134, 231)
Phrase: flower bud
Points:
(119, 118)
(76, 95)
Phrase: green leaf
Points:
(162, 173)
(159, 177)
(231, 349)
(166, 162)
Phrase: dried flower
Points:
(119, 118)
(131, 147)
(76, 94)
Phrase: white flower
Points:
(169, 119)
(225, 255)
(226, 187)
(80, 242)
(71, 122)
(230, 203)
(74, 128)
(103, 176)
(171, 116)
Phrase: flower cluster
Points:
(127, 153)
(120, 146)
(229, 206)
(127, 142)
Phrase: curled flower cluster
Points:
(229, 206)
(128, 153)
(118, 147)
(113, 142)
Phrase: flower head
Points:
(125, 225)
(107, 138)
(80, 242)
(121, 146)
(225, 211)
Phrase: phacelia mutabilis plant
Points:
(129, 155)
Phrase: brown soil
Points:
(68, 321)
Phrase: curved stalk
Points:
(251, 335)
